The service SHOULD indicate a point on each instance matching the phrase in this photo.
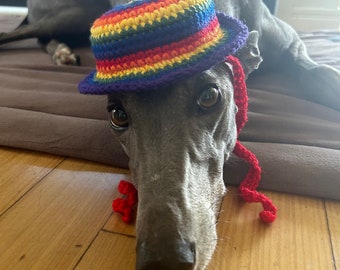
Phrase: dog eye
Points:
(209, 98)
(118, 118)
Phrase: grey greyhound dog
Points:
(179, 136)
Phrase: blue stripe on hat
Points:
(153, 36)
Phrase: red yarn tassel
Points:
(249, 184)
(126, 205)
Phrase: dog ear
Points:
(249, 55)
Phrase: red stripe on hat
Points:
(160, 54)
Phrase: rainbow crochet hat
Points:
(147, 44)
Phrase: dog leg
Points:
(322, 85)
(284, 51)
(318, 83)
(61, 53)
(22, 32)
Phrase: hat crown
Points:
(143, 25)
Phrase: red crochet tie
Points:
(126, 205)
(249, 184)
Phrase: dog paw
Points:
(63, 56)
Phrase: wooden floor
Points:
(55, 213)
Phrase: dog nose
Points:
(178, 256)
(160, 266)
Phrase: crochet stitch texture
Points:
(146, 44)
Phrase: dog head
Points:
(171, 106)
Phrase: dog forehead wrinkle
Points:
(174, 93)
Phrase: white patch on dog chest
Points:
(155, 177)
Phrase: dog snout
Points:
(177, 256)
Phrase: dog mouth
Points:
(176, 223)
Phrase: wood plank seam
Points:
(118, 233)
(86, 250)
(28, 191)
(330, 235)
(76, 265)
